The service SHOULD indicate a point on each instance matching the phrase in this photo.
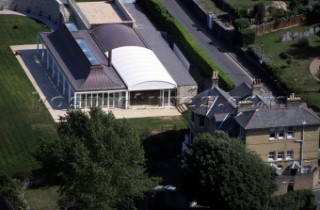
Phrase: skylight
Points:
(71, 27)
(87, 51)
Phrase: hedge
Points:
(186, 42)
(296, 200)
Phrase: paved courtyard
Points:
(50, 94)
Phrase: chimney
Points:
(256, 87)
(244, 105)
(215, 79)
(109, 58)
(294, 101)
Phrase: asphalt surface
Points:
(213, 47)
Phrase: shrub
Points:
(304, 42)
(246, 37)
(241, 23)
(284, 55)
(296, 200)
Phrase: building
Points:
(100, 60)
(285, 134)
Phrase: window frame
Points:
(274, 132)
(289, 157)
(278, 153)
(272, 153)
(291, 131)
(281, 133)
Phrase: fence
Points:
(277, 25)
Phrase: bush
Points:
(241, 23)
(295, 200)
(304, 42)
(284, 55)
(246, 37)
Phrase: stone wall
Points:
(300, 182)
(185, 94)
(47, 8)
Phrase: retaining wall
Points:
(47, 8)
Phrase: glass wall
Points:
(101, 99)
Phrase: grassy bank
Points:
(21, 125)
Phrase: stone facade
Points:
(185, 94)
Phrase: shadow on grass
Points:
(302, 52)
(163, 152)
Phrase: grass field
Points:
(20, 125)
(156, 125)
(297, 77)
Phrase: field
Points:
(297, 76)
(21, 124)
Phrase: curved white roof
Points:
(140, 69)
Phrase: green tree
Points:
(260, 12)
(223, 174)
(97, 162)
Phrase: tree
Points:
(260, 12)
(223, 174)
(96, 160)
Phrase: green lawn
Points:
(20, 125)
(156, 125)
(297, 77)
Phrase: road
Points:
(219, 52)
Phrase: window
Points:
(281, 133)
(290, 134)
(272, 134)
(201, 121)
(306, 169)
(289, 155)
(271, 156)
(280, 155)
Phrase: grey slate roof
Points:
(242, 91)
(277, 117)
(211, 102)
(81, 74)
(111, 36)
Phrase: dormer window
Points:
(290, 133)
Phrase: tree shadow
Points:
(162, 152)
(302, 52)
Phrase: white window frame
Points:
(291, 131)
(272, 131)
(271, 156)
(280, 157)
(289, 155)
(281, 133)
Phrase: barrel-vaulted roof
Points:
(140, 69)
(111, 36)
